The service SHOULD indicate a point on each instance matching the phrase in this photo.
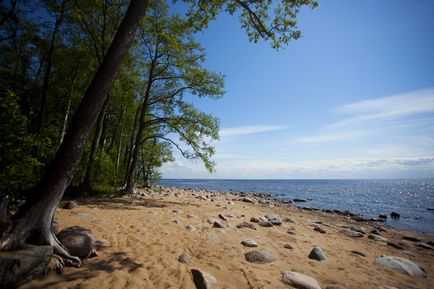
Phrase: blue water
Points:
(409, 197)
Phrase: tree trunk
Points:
(35, 216)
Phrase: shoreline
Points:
(342, 212)
(147, 236)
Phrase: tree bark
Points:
(35, 216)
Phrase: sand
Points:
(145, 243)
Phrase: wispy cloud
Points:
(249, 129)
(330, 137)
(387, 108)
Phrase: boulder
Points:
(70, 205)
(410, 238)
(402, 265)
(300, 281)
(246, 225)
(79, 241)
(260, 257)
(202, 279)
(21, 266)
(317, 254)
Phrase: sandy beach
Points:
(145, 236)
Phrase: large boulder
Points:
(21, 266)
(260, 257)
(79, 241)
(202, 279)
(402, 265)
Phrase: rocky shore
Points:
(176, 238)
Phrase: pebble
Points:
(319, 229)
(203, 280)
(184, 259)
(360, 253)
(190, 228)
(291, 231)
(288, 246)
(317, 254)
(249, 243)
(223, 217)
(260, 257)
(300, 281)
(217, 224)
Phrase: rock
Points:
(177, 221)
(291, 231)
(79, 241)
(260, 257)
(319, 229)
(287, 220)
(254, 220)
(431, 243)
(249, 200)
(394, 245)
(21, 266)
(424, 246)
(55, 227)
(288, 246)
(358, 229)
(402, 265)
(190, 228)
(375, 232)
(184, 259)
(191, 216)
(298, 200)
(276, 221)
(317, 254)
(430, 209)
(377, 238)
(211, 221)
(70, 205)
(265, 224)
(351, 233)
(335, 286)
(217, 224)
(410, 238)
(395, 215)
(202, 279)
(101, 244)
(246, 225)
(384, 217)
(223, 217)
(360, 253)
(249, 243)
(300, 281)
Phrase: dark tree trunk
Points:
(35, 216)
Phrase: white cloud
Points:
(387, 108)
(249, 129)
(330, 137)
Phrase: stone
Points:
(377, 238)
(223, 217)
(395, 215)
(319, 229)
(358, 229)
(299, 200)
(211, 221)
(287, 220)
(249, 243)
(288, 246)
(335, 286)
(402, 265)
(260, 257)
(203, 280)
(70, 205)
(177, 221)
(424, 246)
(101, 244)
(265, 224)
(375, 232)
(394, 245)
(360, 253)
(410, 238)
(299, 281)
(351, 233)
(79, 241)
(190, 228)
(18, 267)
(55, 227)
(254, 220)
(249, 200)
(317, 254)
(275, 221)
(217, 224)
(384, 217)
(184, 259)
(291, 231)
(246, 225)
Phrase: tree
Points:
(35, 216)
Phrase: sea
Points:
(411, 198)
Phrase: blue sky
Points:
(353, 98)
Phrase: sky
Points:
(352, 98)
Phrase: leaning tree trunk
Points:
(34, 218)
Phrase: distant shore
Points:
(155, 240)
